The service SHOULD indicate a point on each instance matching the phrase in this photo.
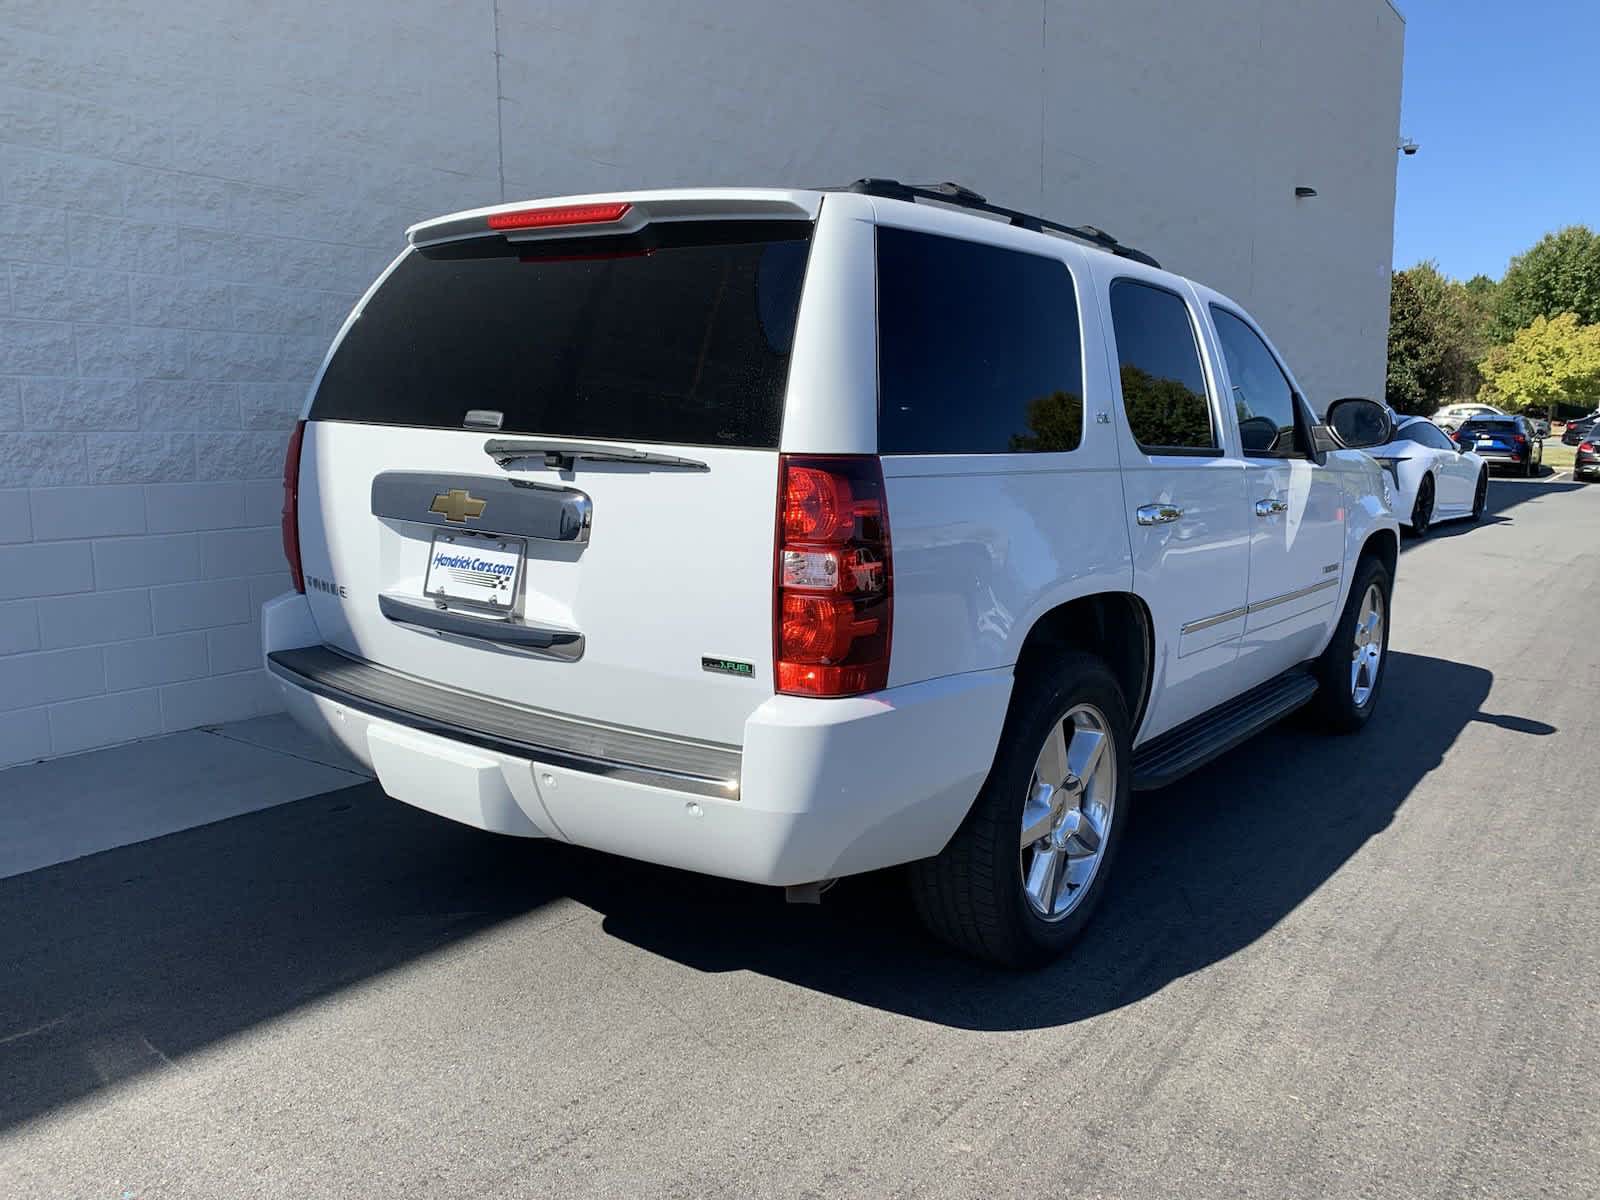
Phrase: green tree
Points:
(1549, 362)
(1422, 332)
(1163, 411)
(1560, 274)
(1055, 422)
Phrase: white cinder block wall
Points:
(193, 192)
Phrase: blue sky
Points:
(1504, 99)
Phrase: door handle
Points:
(1157, 514)
(1270, 508)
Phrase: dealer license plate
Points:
(474, 568)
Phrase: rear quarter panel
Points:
(985, 544)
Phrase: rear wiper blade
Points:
(562, 455)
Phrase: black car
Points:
(1504, 441)
(1579, 430)
(1586, 464)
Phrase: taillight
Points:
(566, 214)
(1520, 439)
(291, 506)
(834, 596)
(1586, 447)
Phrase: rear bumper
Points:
(820, 788)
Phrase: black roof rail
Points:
(964, 197)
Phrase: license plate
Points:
(474, 568)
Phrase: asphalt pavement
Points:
(1357, 967)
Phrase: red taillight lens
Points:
(566, 214)
(291, 506)
(1520, 439)
(834, 606)
(1586, 447)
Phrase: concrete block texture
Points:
(192, 196)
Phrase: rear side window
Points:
(1158, 360)
(685, 339)
(978, 349)
(1424, 434)
(1262, 398)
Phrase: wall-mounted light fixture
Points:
(1304, 193)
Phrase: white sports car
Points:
(1435, 480)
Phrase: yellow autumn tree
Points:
(1553, 360)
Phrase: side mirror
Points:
(1360, 424)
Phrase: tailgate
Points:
(541, 465)
(677, 568)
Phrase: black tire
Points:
(1422, 508)
(1528, 469)
(1335, 705)
(1480, 497)
(972, 894)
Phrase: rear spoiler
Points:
(621, 213)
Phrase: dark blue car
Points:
(1503, 441)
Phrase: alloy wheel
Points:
(1422, 510)
(1366, 655)
(1066, 817)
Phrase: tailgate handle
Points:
(546, 641)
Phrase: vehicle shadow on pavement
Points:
(1504, 495)
(117, 963)
(123, 961)
(1210, 865)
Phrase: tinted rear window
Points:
(686, 342)
(978, 348)
(1482, 426)
(1158, 358)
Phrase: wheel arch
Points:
(1114, 626)
(1384, 545)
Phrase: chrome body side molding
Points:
(1234, 614)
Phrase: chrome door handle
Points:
(1270, 508)
(1157, 514)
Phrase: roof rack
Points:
(963, 197)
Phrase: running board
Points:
(1170, 757)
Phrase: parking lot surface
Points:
(1326, 967)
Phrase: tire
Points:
(974, 894)
(1480, 496)
(1341, 707)
(1422, 508)
(1528, 469)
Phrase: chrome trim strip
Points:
(542, 511)
(546, 641)
(1233, 614)
(657, 760)
(1294, 595)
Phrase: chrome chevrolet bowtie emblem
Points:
(457, 505)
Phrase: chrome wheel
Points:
(1367, 654)
(1067, 815)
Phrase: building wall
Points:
(193, 192)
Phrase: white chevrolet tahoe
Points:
(785, 535)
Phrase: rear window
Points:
(682, 338)
(1479, 425)
(978, 349)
